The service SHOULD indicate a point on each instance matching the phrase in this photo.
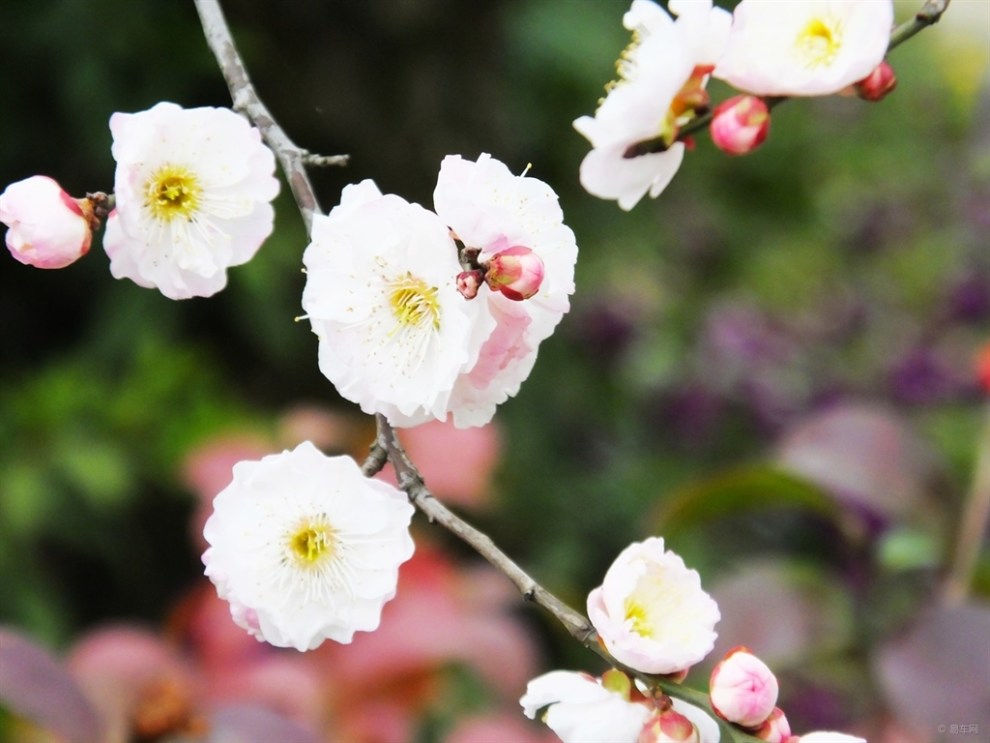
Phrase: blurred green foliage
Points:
(839, 249)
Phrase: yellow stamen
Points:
(414, 303)
(312, 541)
(819, 42)
(172, 192)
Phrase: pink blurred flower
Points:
(208, 469)
(743, 689)
(47, 228)
(456, 463)
(135, 680)
(499, 727)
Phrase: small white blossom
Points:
(804, 47)
(662, 74)
(382, 298)
(47, 227)
(580, 710)
(651, 611)
(305, 548)
(193, 189)
(489, 208)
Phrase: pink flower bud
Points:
(517, 272)
(775, 729)
(669, 727)
(743, 689)
(468, 283)
(740, 124)
(878, 83)
(47, 228)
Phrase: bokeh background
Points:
(774, 366)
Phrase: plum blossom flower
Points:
(305, 548)
(743, 689)
(47, 228)
(651, 612)
(661, 86)
(193, 189)
(381, 296)
(804, 47)
(490, 209)
(681, 723)
(580, 709)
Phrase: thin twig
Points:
(411, 481)
(972, 522)
(245, 99)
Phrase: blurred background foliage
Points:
(772, 365)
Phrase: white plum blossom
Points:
(489, 208)
(193, 189)
(651, 612)
(804, 47)
(662, 75)
(305, 548)
(381, 296)
(47, 228)
(579, 709)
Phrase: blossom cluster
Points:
(192, 193)
(425, 315)
(653, 617)
(766, 49)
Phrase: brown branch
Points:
(292, 158)
(412, 483)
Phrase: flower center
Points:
(819, 42)
(171, 192)
(312, 541)
(414, 303)
(636, 613)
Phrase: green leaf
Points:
(741, 490)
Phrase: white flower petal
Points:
(192, 190)
(305, 548)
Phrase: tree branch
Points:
(292, 158)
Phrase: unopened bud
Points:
(47, 228)
(669, 727)
(775, 729)
(468, 283)
(740, 124)
(517, 272)
(878, 83)
(743, 689)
